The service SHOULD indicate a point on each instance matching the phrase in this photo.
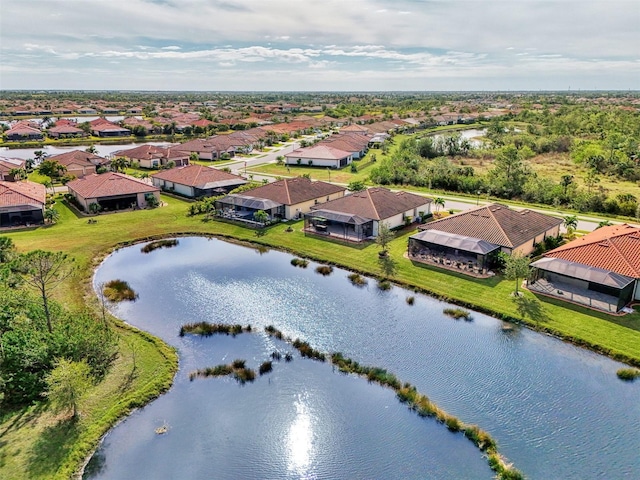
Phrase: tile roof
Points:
(497, 224)
(615, 248)
(8, 164)
(108, 185)
(376, 203)
(14, 194)
(199, 176)
(78, 157)
(291, 191)
(324, 152)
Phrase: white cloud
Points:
(429, 40)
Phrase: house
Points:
(101, 127)
(285, 199)
(21, 203)
(319, 156)
(23, 131)
(196, 181)
(154, 156)
(470, 241)
(357, 217)
(211, 148)
(65, 130)
(79, 163)
(8, 166)
(112, 191)
(356, 144)
(600, 270)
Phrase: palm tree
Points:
(18, 173)
(92, 149)
(40, 155)
(51, 215)
(119, 164)
(571, 223)
(438, 202)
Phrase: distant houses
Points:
(154, 156)
(79, 163)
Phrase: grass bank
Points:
(35, 447)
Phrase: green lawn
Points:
(34, 446)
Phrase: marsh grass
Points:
(384, 285)
(265, 367)
(238, 369)
(357, 280)
(628, 374)
(324, 270)
(168, 243)
(207, 329)
(457, 313)
(299, 262)
(410, 300)
(118, 291)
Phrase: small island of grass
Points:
(118, 291)
(458, 313)
(168, 243)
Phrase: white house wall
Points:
(291, 211)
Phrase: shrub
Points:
(384, 285)
(238, 363)
(411, 300)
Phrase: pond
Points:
(473, 135)
(557, 411)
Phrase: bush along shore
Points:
(405, 392)
(207, 329)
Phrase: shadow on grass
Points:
(530, 308)
(327, 238)
(487, 282)
(52, 446)
(388, 266)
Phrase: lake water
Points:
(103, 150)
(556, 411)
(472, 135)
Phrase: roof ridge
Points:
(622, 256)
(373, 204)
(509, 242)
(286, 190)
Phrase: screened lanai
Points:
(575, 282)
(242, 207)
(443, 248)
(345, 226)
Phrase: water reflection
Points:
(300, 441)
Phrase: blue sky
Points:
(363, 45)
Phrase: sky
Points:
(320, 45)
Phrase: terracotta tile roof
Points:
(141, 152)
(376, 203)
(497, 224)
(78, 157)
(198, 176)
(291, 191)
(324, 152)
(8, 164)
(66, 129)
(23, 128)
(14, 194)
(615, 248)
(108, 185)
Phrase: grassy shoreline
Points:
(28, 430)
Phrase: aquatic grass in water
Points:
(265, 367)
(207, 329)
(457, 313)
(357, 280)
(324, 270)
(118, 291)
(384, 285)
(238, 369)
(628, 374)
(411, 300)
(299, 262)
(150, 247)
